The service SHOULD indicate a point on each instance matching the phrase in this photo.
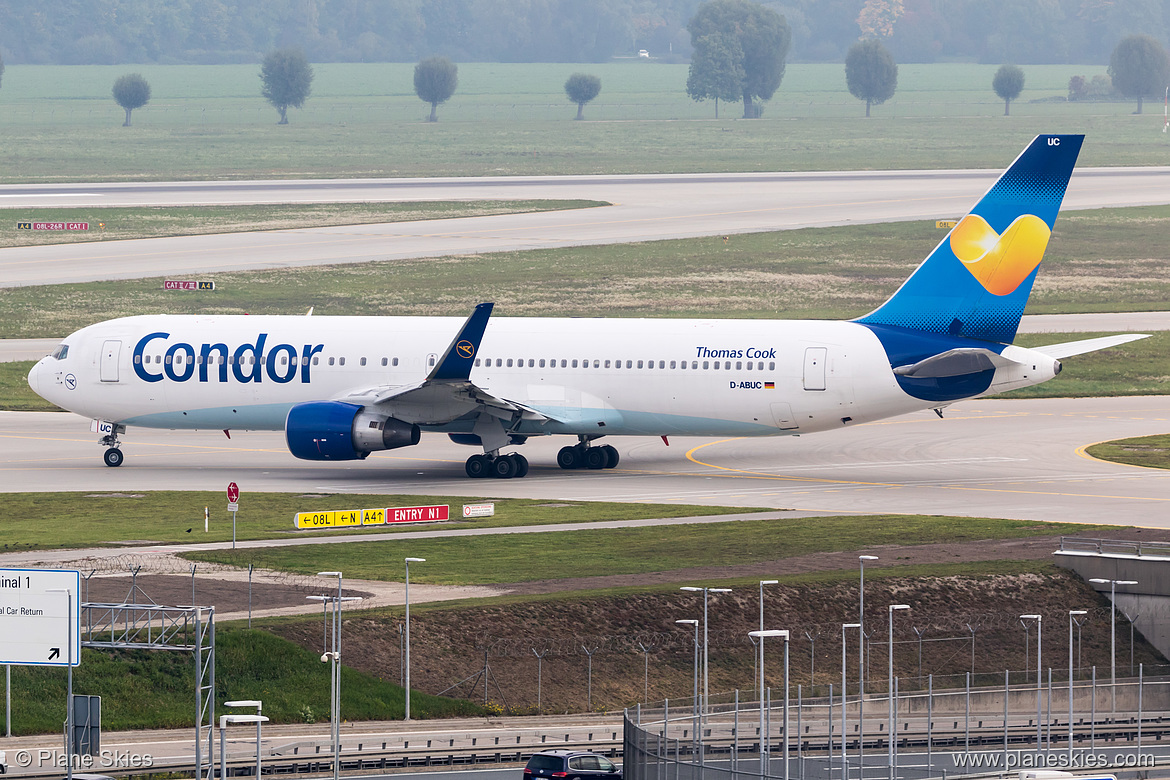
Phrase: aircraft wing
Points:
(447, 393)
(1070, 348)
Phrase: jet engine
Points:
(334, 430)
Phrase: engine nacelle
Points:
(334, 430)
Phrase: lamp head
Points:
(1032, 617)
(416, 560)
(328, 574)
(1127, 582)
(1072, 612)
(867, 557)
(687, 622)
(769, 582)
(690, 588)
(899, 606)
(719, 590)
(850, 625)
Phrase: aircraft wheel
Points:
(596, 458)
(113, 457)
(521, 464)
(477, 466)
(569, 458)
(611, 455)
(503, 467)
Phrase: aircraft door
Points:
(814, 367)
(432, 359)
(111, 351)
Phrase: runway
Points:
(1015, 459)
(645, 207)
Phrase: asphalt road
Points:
(1017, 459)
(646, 207)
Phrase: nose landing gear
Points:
(113, 455)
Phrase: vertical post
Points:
(1048, 709)
(1141, 710)
(890, 692)
(967, 718)
(69, 696)
(735, 738)
(233, 529)
(844, 681)
(861, 667)
(1093, 714)
(930, 724)
(193, 567)
(8, 700)
(1006, 695)
(222, 756)
(250, 568)
(785, 707)
(1072, 613)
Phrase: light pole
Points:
(861, 559)
(706, 666)
(334, 656)
(1112, 634)
(259, 705)
(695, 697)
(1071, 615)
(69, 695)
(760, 649)
(760, 635)
(844, 761)
(1039, 666)
(890, 695)
(407, 686)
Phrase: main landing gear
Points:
(498, 466)
(582, 456)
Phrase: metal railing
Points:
(938, 733)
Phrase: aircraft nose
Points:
(34, 378)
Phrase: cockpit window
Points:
(61, 352)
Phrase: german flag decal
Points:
(769, 385)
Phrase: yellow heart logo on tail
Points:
(1000, 262)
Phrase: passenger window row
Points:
(694, 365)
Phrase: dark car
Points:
(571, 765)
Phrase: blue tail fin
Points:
(977, 281)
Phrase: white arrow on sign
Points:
(36, 609)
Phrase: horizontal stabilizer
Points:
(1070, 348)
(954, 362)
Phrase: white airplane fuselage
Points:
(590, 377)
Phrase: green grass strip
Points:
(1149, 451)
(110, 224)
(148, 689)
(485, 560)
(1105, 260)
(70, 520)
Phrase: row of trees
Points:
(213, 31)
(740, 48)
(286, 80)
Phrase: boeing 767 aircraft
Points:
(343, 387)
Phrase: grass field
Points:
(113, 224)
(69, 520)
(1148, 451)
(60, 124)
(559, 555)
(143, 689)
(1102, 260)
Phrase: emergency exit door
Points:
(111, 350)
(814, 367)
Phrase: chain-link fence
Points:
(1088, 724)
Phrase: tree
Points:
(435, 80)
(870, 73)
(1008, 84)
(581, 88)
(287, 79)
(130, 92)
(755, 38)
(1139, 67)
(716, 70)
